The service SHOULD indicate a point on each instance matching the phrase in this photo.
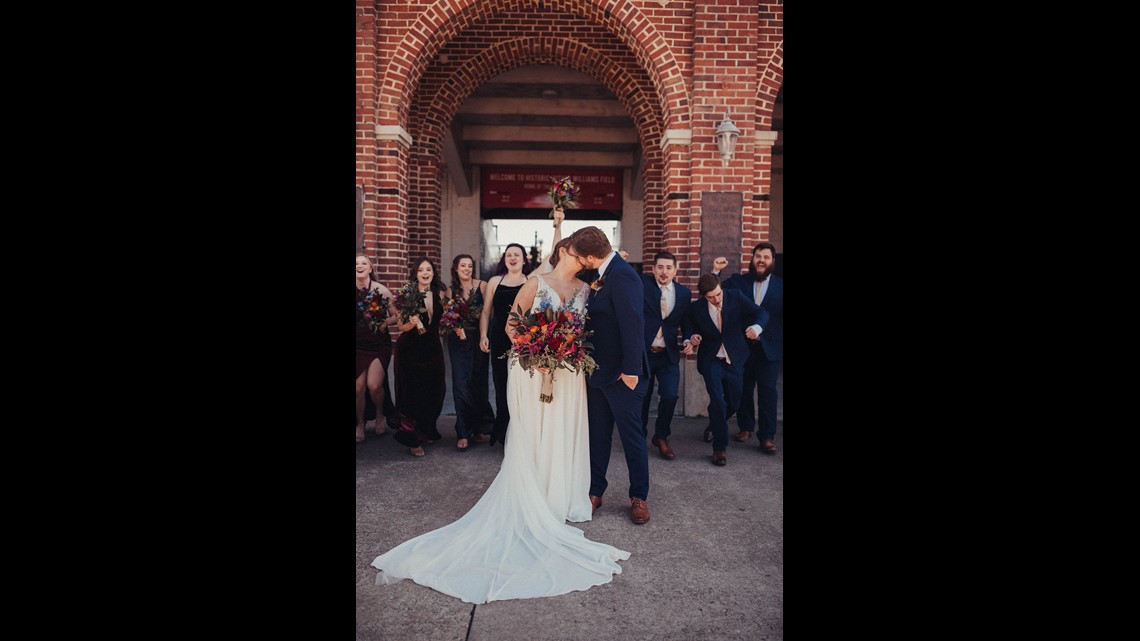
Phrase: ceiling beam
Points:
(553, 158)
(552, 145)
(553, 134)
(544, 120)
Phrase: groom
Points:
(615, 390)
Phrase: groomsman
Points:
(720, 324)
(666, 307)
(763, 366)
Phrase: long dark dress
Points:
(420, 387)
(473, 413)
(500, 312)
(370, 346)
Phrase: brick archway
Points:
(768, 82)
(445, 20)
(445, 87)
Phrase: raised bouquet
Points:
(547, 340)
(563, 193)
(460, 314)
(409, 301)
(372, 310)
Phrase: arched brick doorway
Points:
(691, 62)
(443, 55)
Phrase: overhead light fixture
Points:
(549, 93)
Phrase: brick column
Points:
(724, 81)
(390, 198)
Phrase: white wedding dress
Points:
(514, 543)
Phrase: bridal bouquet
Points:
(460, 314)
(563, 193)
(409, 301)
(372, 310)
(549, 339)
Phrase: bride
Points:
(514, 543)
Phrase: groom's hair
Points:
(591, 241)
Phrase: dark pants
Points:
(473, 413)
(616, 403)
(760, 377)
(499, 373)
(723, 383)
(668, 374)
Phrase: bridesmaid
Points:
(373, 350)
(501, 290)
(473, 415)
(420, 386)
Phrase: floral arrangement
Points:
(372, 310)
(547, 340)
(596, 286)
(409, 301)
(460, 314)
(563, 193)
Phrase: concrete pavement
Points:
(707, 566)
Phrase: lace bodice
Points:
(547, 296)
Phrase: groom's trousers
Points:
(617, 404)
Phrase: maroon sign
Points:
(520, 188)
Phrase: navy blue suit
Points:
(615, 317)
(763, 366)
(663, 366)
(724, 380)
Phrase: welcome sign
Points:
(525, 188)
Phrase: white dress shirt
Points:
(759, 289)
(714, 314)
(605, 265)
(669, 296)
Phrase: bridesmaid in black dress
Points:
(474, 418)
(420, 385)
(501, 291)
(373, 348)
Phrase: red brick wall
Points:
(673, 67)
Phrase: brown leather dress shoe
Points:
(742, 436)
(720, 457)
(481, 438)
(768, 446)
(663, 445)
(595, 501)
(638, 511)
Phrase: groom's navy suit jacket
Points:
(737, 314)
(616, 318)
